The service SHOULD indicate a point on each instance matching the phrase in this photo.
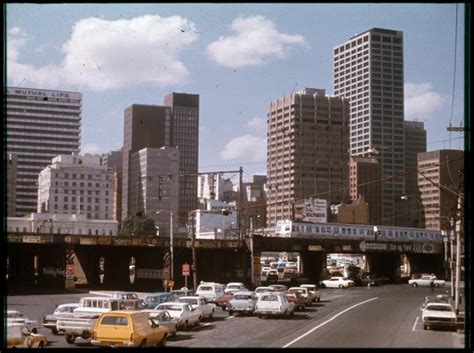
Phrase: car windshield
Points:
(242, 296)
(296, 291)
(191, 301)
(269, 298)
(439, 308)
(205, 288)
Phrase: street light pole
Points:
(171, 249)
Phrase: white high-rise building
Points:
(40, 125)
(76, 184)
(212, 186)
(368, 70)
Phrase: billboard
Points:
(311, 210)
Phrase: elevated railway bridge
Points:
(139, 263)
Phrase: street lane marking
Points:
(414, 325)
(327, 321)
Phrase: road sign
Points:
(185, 269)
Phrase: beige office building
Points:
(368, 71)
(307, 151)
(438, 181)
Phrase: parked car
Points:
(128, 328)
(164, 319)
(243, 302)
(315, 294)
(290, 272)
(17, 317)
(272, 276)
(262, 289)
(265, 270)
(304, 292)
(211, 291)
(440, 298)
(184, 314)
(234, 287)
(369, 280)
(425, 281)
(222, 301)
(438, 314)
(150, 301)
(279, 287)
(129, 299)
(20, 336)
(337, 282)
(61, 311)
(183, 292)
(274, 304)
(200, 304)
(297, 298)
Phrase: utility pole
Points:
(193, 250)
(458, 244)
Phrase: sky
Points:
(237, 57)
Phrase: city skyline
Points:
(217, 52)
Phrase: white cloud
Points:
(247, 147)
(102, 54)
(421, 101)
(255, 41)
(16, 39)
(258, 124)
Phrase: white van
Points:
(211, 291)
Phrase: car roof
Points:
(68, 304)
(244, 292)
(158, 294)
(173, 303)
(123, 312)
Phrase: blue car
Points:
(152, 300)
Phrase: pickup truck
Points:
(85, 316)
(77, 327)
(425, 281)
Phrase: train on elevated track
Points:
(333, 231)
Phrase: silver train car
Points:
(293, 229)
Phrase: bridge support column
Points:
(313, 265)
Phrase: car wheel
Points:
(231, 313)
(436, 285)
(70, 339)
(41, 344)
(426, 327)
(414, 285)
(323, 285)
(198, 322)
(185, 325)
(212, 314)
(143, 344)
(341, 286)
(54, 331)
(162, 343)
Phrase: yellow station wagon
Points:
(128, 329)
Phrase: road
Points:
(375, 317)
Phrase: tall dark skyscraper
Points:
(368, 69)
(144, 126)
(176, 124)
(185, 136)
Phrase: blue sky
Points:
(237, 57)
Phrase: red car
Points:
(222, 301)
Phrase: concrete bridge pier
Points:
(313, 265)
(385, 265)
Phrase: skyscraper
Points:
(303, 159)
(144, 126)
(176, 124)
(185, 136)
(368, 70)
(40, 125)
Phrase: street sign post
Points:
(186, 274)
